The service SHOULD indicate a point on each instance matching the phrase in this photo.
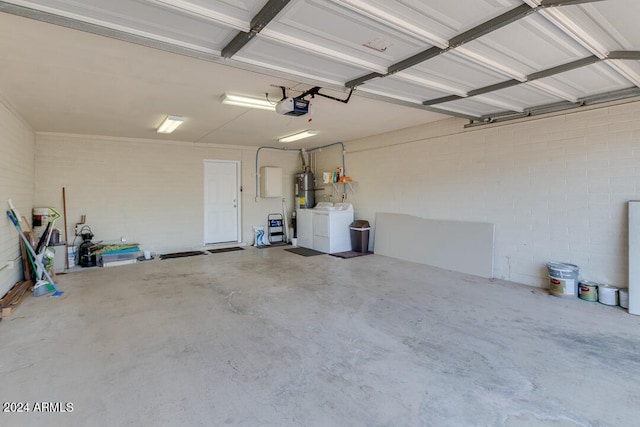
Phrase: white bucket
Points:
(608, 295)
(563, 279)
(623, 294)
(71, 256)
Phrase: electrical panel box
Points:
(270, 181)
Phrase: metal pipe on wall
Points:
(313, 150)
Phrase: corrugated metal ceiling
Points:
(478, 59)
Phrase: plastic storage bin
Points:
(360, 235)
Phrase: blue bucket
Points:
(563, 279)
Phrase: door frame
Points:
(238, 164)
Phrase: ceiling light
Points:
(299, 135)
(249, 102)
(170, 124)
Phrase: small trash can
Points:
(360, 235)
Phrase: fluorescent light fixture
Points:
(299, 135)
(249, 102)
(170, 124)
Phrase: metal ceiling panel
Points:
(471, 107)
(451, 70)
(607, 25)
(395, 87)
(442, 18)
(231, 13)
(519, 98)
(277, 56)
(526, 46)
(328, 29)
(471, 57)
(594, 79)
(143, 18)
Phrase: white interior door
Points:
(221, 201)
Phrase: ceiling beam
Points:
(556, 3)
(261, 20)
(563, 68)
(356, 82)
(633, 55)
(531, 77)
(491, 25)
(483, 29)
(612, 96)
(415, 59)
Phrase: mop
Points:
(41, 286)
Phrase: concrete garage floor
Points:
(270, 338)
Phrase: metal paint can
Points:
(608, 295)
(588, 291)
(623, 294)
(563, 279)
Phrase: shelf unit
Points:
(340, 187)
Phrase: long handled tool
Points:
(34, 258)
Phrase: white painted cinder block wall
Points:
(17, 146)
(556, 188)
(151, 192)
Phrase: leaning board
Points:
(466, 247)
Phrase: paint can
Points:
(608, 295)
(588, 291)
(71, 256)
(563, 279)
(623, 294)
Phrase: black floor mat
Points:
(272, 245)
(217, 251)
(181, 254)
(305, 251)
(350, 254)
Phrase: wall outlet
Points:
(11, 265)
(123, 239)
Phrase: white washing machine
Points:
(325, 228)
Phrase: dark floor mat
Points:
(272, 245)
(350, 254)
(217, 251)
(181, 254)
(304, 251)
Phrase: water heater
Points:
(305, 194)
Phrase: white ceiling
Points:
(411, 61)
